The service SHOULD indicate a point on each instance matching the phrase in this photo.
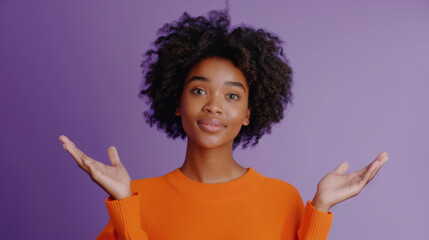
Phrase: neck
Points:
(215, 165)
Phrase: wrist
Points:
(121, 196)
(317, 204)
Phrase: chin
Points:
(207, 144)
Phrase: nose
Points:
(213, 105)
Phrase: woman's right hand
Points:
(114, 179)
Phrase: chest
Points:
(248, 217)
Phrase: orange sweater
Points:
(174, 207)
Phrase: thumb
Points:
(112, 153)
(342, 168)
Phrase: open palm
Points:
(338, 186)
(114, 179)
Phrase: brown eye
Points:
(233, 96)
(198, 91)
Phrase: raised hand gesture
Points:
(338, 186)
(114, 179)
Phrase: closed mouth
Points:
(210, 125)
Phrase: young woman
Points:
(220, 88)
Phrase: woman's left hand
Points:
(338, 186)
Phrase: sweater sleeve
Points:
(124, 221)
(315, 224)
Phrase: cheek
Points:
(239, 113)
(187, 114)
(187, 107)
(237, 117)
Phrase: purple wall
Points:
(72, 67)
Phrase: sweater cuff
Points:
(124, 213)
(316, 224)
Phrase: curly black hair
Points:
(184, 43)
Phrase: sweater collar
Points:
(214, 191)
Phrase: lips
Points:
(211, 125)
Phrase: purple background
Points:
(72, 67)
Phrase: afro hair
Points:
(184, 43)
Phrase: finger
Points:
(381, 156)
(62, 138)
(75, 155)
(362, 171)
(112, 153)
(78, 153)
(372, 175)
(67, 142)
(84, 157)
(366, 176)
(93, 170)
(382, 161)
(78, 156)
(65, 139)
(367, 170)
(342, 168)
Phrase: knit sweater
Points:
(250, 207)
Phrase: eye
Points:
(233, 96)
(198, 91)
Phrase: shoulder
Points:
(148, 184)
(154, 192)
(281, 196)
(280, 187)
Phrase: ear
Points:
(177, 112)
(246, 120)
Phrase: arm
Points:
(124, 220)
(122, 205)
(315, 224)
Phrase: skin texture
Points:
(215, 92)
(213, 108)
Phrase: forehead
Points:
(217, 70)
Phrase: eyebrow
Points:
(229, 83)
